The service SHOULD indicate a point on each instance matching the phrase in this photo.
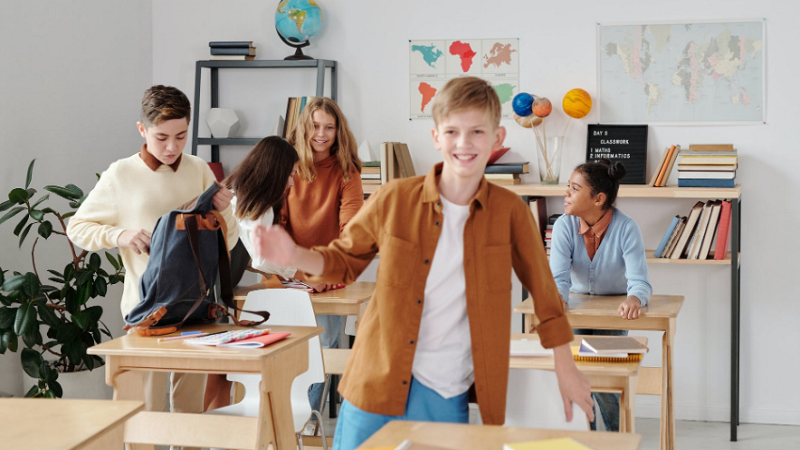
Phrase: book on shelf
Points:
(676, 236)
(619, 346)
(367, 170)
(723, 230)
(231, 58)
(370, 163)
(688, 230)
(670, 230)
(538, 206)
(403, 160)
(699, 232)
(713, 223)
(711, 147)
(251, 51)
(371, 176)
(501, 176)
(670, 164)
(708, 159)
(660, 166)
(230, 44)
(371, 182)
(711, 175)
(552, 219)
(660, 181)
(294, 106)
(707, 182)
(389, 169)
(512, 168)
(707, 167)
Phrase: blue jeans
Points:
(328, 339)
(424, 404)
(608, 404)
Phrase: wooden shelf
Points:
(650, 254)
(266, 64)
(228, 141)
(629, 191)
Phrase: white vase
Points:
(86, 384)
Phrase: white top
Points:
(443, 359)
(131, 196)
(246, 228)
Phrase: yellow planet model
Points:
(577, 103)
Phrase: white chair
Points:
(534, 401)
(286, 307)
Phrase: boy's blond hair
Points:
(460, 94)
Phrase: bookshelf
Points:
(733, 258)
(320, 65)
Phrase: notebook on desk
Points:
(549, 444)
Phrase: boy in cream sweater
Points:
(122, 210)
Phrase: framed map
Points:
(432, 63)
(687, 73)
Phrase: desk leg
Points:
(628, 399)
(275, 423)
(127, 386)
(670, 335)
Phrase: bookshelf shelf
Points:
(214, 66)
(651, 259)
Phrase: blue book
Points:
(666, 237)
(706, 182)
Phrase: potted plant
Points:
(52, 317)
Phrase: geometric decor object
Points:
(223, 122)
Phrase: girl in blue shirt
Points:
(615, 264)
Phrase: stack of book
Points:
(708, 165)
(703, 234)
(395, 162)
(506, 173)
(371, 172)
(232, 50)
(665, 166)
(548, 232)
(294, 107)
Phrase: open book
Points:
(253, 338)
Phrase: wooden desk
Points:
(278, 365)
(619, 378)
(600, 312)
(482, 437)
(351, 300)
(82, 424)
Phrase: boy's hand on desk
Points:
(631, 308)
(138, 241)
(573, 384)
(222, 198)
(274, 244)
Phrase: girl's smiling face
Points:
(324, 134)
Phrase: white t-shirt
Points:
(246, 228)
(443, 358)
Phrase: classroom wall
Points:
(557, 53)
(71, 83)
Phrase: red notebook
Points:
(258, 341)
(723, 229)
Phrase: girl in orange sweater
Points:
(326, 194)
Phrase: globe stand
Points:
(298, 54)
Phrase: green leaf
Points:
(31, 285)
(56, 273)
(39, 202)
(5, 205)
(119, 258)
(55, 388)
(3, 343)
(112, 260)
(75, 189)
(94, 312)
(82, 320)
(12, 213)
(95, 261)
(63, 192)
(85, 277)
(101, 286)
(24, 234)
(37, 214)
(88, 360)
(67, 333)
(7, 316)
(30, 174)
(84, 292)
(32, 392)
(32, 338)
(2, 276)
(31, 362)
(18, 228)
(73, 350)
(25, 319)
(71, 301)
(45, 229)
(48, 316)
(18, 196)
(69, 271)
(13, 283)
(68, 215)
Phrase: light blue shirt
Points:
(618, 267)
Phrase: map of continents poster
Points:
(432, 63)
(698, 73)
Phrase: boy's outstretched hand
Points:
(222, 199)
(573, 384)
(274, 244)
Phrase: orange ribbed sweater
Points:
(315, 213)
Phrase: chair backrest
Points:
(291, 307)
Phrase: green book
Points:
(370, 163)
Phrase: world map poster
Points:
(702, 73)
(432, 63)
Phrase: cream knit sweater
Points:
(131, 196)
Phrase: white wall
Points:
(557, 41)
(71, 82)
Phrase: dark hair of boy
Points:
(163, 103)
(259, 182)
(603, 177)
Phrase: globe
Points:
(296, 21)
